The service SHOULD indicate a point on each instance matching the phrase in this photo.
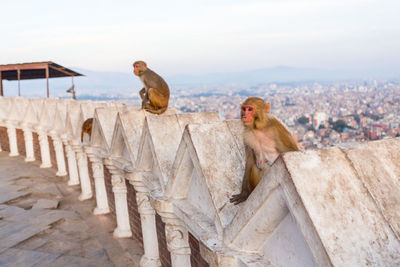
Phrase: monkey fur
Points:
(265, 138)
(87, 128)
(155, 93)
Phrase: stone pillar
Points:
(72, 168)
(30, 155)
(99, 184)
(86, 187)
(12, 139)
(147, 213)
(176, 234)
(121, 204)
(58, 147)
(44, 148)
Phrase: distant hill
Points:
(120, 83)
(280, 74)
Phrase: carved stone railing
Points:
(177, 172)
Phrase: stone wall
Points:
(21, 142)
(165, 257)
(5, 146)
(36, 147)
(167, 181)
(196, 259)
(134, 216)
(110, 195)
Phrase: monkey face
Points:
(247, 115)
(136, 69)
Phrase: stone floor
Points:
(42, 222)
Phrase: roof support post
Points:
(19, 78)
(1, 85)
(47, 80)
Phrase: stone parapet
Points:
(168, 179)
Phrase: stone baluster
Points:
(58, 147)
(120, 196)
(30, 155)
(71, 159)
(86, 188)
(12, 138)
(147, 213)
(44, 148)
(176, 234)
(99, 183)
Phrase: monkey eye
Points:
(247, 108)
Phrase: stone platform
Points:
(42, 222)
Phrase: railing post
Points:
(30, 155)
(120, 196)
(81, 158)
(176, 234)
(44, 148)
(71, 159)
(99, 183)
(58, 147)
(12, 138)
(147, 213)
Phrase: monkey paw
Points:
(236, 199)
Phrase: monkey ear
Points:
(267, 107)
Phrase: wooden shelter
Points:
(33, 70)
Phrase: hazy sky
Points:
(188, 37)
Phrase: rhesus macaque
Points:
(155, 93)
(265, 138)
(87, 128)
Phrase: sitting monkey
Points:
(265, 138)
(155, 93)
(87, 128)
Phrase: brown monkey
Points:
(155, 93)
(87, 128)
(265, 137)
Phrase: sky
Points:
(198, 37)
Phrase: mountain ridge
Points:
(112, 83)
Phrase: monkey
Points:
(155, 93)
(87, 128)
(265, 138)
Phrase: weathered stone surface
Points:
(201, 185)
(352, 229)
(103, 127)
(21, 257)
(47, 115)
(11, 195)
(30, 118)
(127, 136)
(46, 204)
(70, 235)
(4, 109)
(161, 136)
(219, 164)
(378, 166)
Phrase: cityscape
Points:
(318, 114)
